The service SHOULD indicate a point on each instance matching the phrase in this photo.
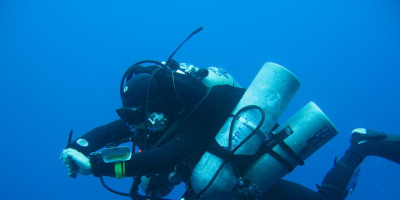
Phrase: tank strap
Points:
(291, 152)
(217, 150)
(273, 139)
(279, 138)
(281, 159)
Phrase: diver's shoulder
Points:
(228, 89)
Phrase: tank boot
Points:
(377, 143)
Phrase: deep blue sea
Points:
(62, 61)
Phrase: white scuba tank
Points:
(210, 76)
(271, 90)
(219, 76)
(306, 131)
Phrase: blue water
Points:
(61, 64)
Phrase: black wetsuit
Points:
(193, 137)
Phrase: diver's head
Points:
(133, 99)
(135, 102)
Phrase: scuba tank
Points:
(210, 76)
(299, 137)
(248, 132)
(269, 94)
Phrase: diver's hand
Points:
(76, 162)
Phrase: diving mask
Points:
(132, 115)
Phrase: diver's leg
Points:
(333, 187)
(363, 143)
(336, 180)
(289, 190)
(377, 143)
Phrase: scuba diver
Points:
(173, 114)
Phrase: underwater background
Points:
(62, 61)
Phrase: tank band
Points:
(291, 152)
(281, 159)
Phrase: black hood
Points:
(135, 91)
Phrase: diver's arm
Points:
(194, 136)
(101, 136)
(157, 159)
